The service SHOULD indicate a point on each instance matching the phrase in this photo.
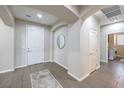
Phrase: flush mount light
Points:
(39, 15)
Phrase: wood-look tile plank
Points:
(26, 82)
(17, 78)
(109, 75)
(6, 82)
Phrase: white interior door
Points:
(93, 49)
(35, 44)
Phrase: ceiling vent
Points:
(112, 11)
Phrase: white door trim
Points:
(27, 45)
(93, 31)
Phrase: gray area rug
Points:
(44, 79)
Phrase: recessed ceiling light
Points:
(115, 20)
(39, 15)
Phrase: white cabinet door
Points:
(93, 49)
(35, 44)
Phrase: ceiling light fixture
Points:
(39, 16)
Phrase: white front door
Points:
(93, 49)
(35, 44)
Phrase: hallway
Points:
(108, 76)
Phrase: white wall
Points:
(20, 43)
(60, 55)
(6, 40)
(105, 30)
(54, 28)
(90, 23)
(74, 49)
(6, 47)
(47, 44)
(77, 47)
(51, 46)
(69, 57)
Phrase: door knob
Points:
(28, 49)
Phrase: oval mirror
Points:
(61, 41)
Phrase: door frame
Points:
(27, 63)
(95, 30)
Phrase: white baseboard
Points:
(103, 61)
(27, 65)
(9, 70)
(61, 65)
(81, 79)
(75, 77)
(47, 61)
(97, 67)
(51, 60)
(119, 56)
(20, 66)
(78, 79)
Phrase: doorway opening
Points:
(116, 47)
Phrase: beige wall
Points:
(111, 41)
(120, 51)
(120, 48)
(6, 15)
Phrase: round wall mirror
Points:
(61, 41)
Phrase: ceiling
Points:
(63, 13)
(30, 14)
(104, 20)
(52, 14)
(66, 13)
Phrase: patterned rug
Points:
(44, 79)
